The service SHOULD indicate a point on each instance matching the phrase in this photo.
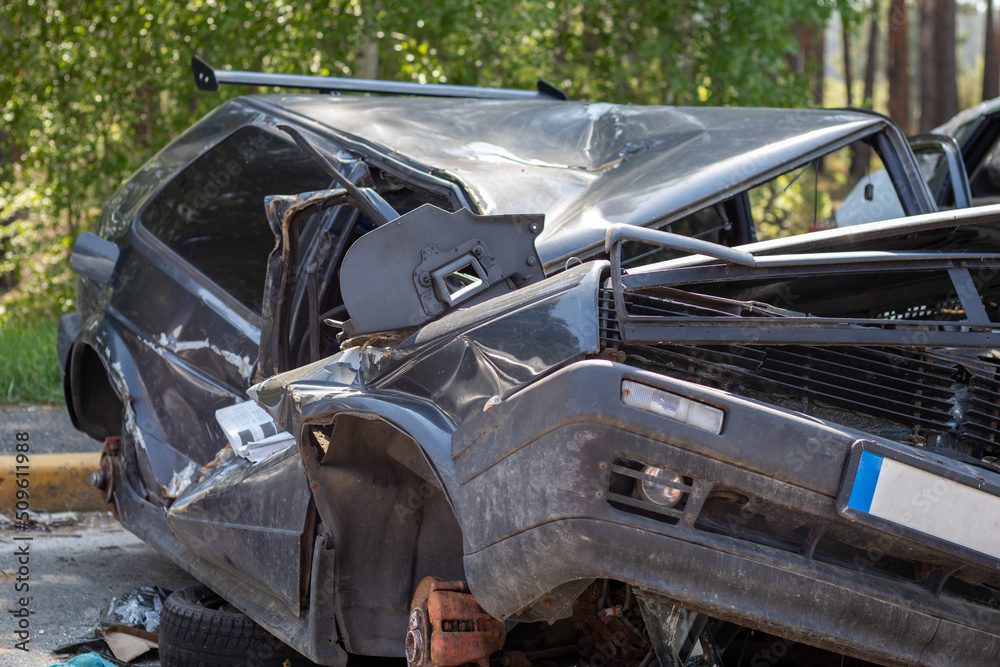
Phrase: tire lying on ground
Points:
(199, 629)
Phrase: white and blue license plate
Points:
(907, 499)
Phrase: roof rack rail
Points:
(208, 78)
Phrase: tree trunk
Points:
(819, 62)
(929, 89)
(944, 52)
(144, 127)
(810, 62)
(871, 61)
(991, 61)
(863, 153)
(898, 60)
(846, 41)
(366, 61)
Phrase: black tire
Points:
(198, 629)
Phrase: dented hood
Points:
(586, 166)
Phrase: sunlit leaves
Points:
(89, 90)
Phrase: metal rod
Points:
(618, 233)
(208, 78)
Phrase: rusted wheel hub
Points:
(448, 628)
(108, 478)
(416, 647)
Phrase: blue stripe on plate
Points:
(865, 480)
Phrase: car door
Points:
(191, 287)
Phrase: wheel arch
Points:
(377, 491)
(93, 400)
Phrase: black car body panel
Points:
(528, 477)
(482, 427)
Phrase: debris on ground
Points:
(86, 660)
(139, 609)
(43, 521)
(127, 629)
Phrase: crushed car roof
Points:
(587, 166)
(953, 124)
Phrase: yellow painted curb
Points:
(56, 482)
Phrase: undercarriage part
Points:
(448, 628)
(680, 637)
(610, 625)
(527, 659)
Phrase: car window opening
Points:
(824, 193)
(220, 198)
(835, 193)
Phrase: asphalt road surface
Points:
(50, 428)
(73, 572)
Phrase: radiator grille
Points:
(894, 384)
(981, 425)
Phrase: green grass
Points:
(29, 368)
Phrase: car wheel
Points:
(199, 629)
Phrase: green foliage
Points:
(33, 259)
(29, 370)
(790, 204)
(88, 90)
(803, 199)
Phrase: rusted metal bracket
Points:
(448, 628)
(106, 479)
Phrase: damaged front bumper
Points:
(757, 538)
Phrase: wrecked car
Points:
(976, 132)
(489, 376)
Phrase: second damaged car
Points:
(485, 428)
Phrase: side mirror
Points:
(94, 258)
(940, 161)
